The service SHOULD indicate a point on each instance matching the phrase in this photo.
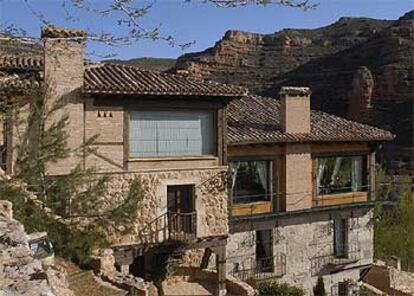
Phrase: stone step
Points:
(187, 289)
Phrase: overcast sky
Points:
(203, 23)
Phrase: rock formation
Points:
(360, 95)
(20, 273)
(329, 61)
(258, 61)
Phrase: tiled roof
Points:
(254, 120)
(20, 74)
(18, 82)
(57, 32)
(30, 63)
(103, 78)
(121, 79)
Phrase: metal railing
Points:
(170, 226)
(256, 270)
(351, 253)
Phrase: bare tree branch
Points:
(305, 5)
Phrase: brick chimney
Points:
(64, 71)
(297, 162)
(295, 109)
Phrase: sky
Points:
(196, 21)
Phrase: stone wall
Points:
(210, 199)
(20, 273)
(302, 239)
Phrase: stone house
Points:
(274, 189)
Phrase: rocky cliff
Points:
(258, 61)
(20, 273)
(357, 67)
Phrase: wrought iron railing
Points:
(351, 253)
(255, 270)
(170, 226)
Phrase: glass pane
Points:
(340, 237)
(250, 181)
(340, 174)
(171, 133)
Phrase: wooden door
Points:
(180, 205)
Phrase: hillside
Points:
(357, 67)
(154, 64)
(257, 61)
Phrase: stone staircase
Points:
(83, 282)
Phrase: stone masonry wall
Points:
(302, 239)
(210, 199)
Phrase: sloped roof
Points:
(255, 120)
(20, 74)
(121, 79)
(251, 119)
(105, 78)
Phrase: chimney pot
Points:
(295, 109)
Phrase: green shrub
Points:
(71, 244)
(279, 289)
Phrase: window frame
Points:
(215, 138)
(365, 173)
(273, 176)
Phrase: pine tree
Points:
(78, 194)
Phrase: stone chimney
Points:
(295, 109)
(64, 71)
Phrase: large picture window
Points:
(341, 174)
(171, 133)
(251, 181)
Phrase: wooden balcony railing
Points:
(168, 227)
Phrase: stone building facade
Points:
(221, 171)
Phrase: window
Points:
(264, 251)
(171, 133)
(251, 181)
(341, 174)
(343, 288)
(340, 238)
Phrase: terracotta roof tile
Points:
(121, 79)
(32, 63)
(255, 119)
(57, 32)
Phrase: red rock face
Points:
(329, 61)
(259, 61)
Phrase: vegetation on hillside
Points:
(394, 234)
(152, 64)
(274, 288)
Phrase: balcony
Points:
(253, 270)
(170, 227)
(331, 261)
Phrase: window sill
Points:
(254, 208)
(172, 158)
(340, 198)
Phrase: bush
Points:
(71, 244)
(279, 289)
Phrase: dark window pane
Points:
(250, 181)
(341, 174)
